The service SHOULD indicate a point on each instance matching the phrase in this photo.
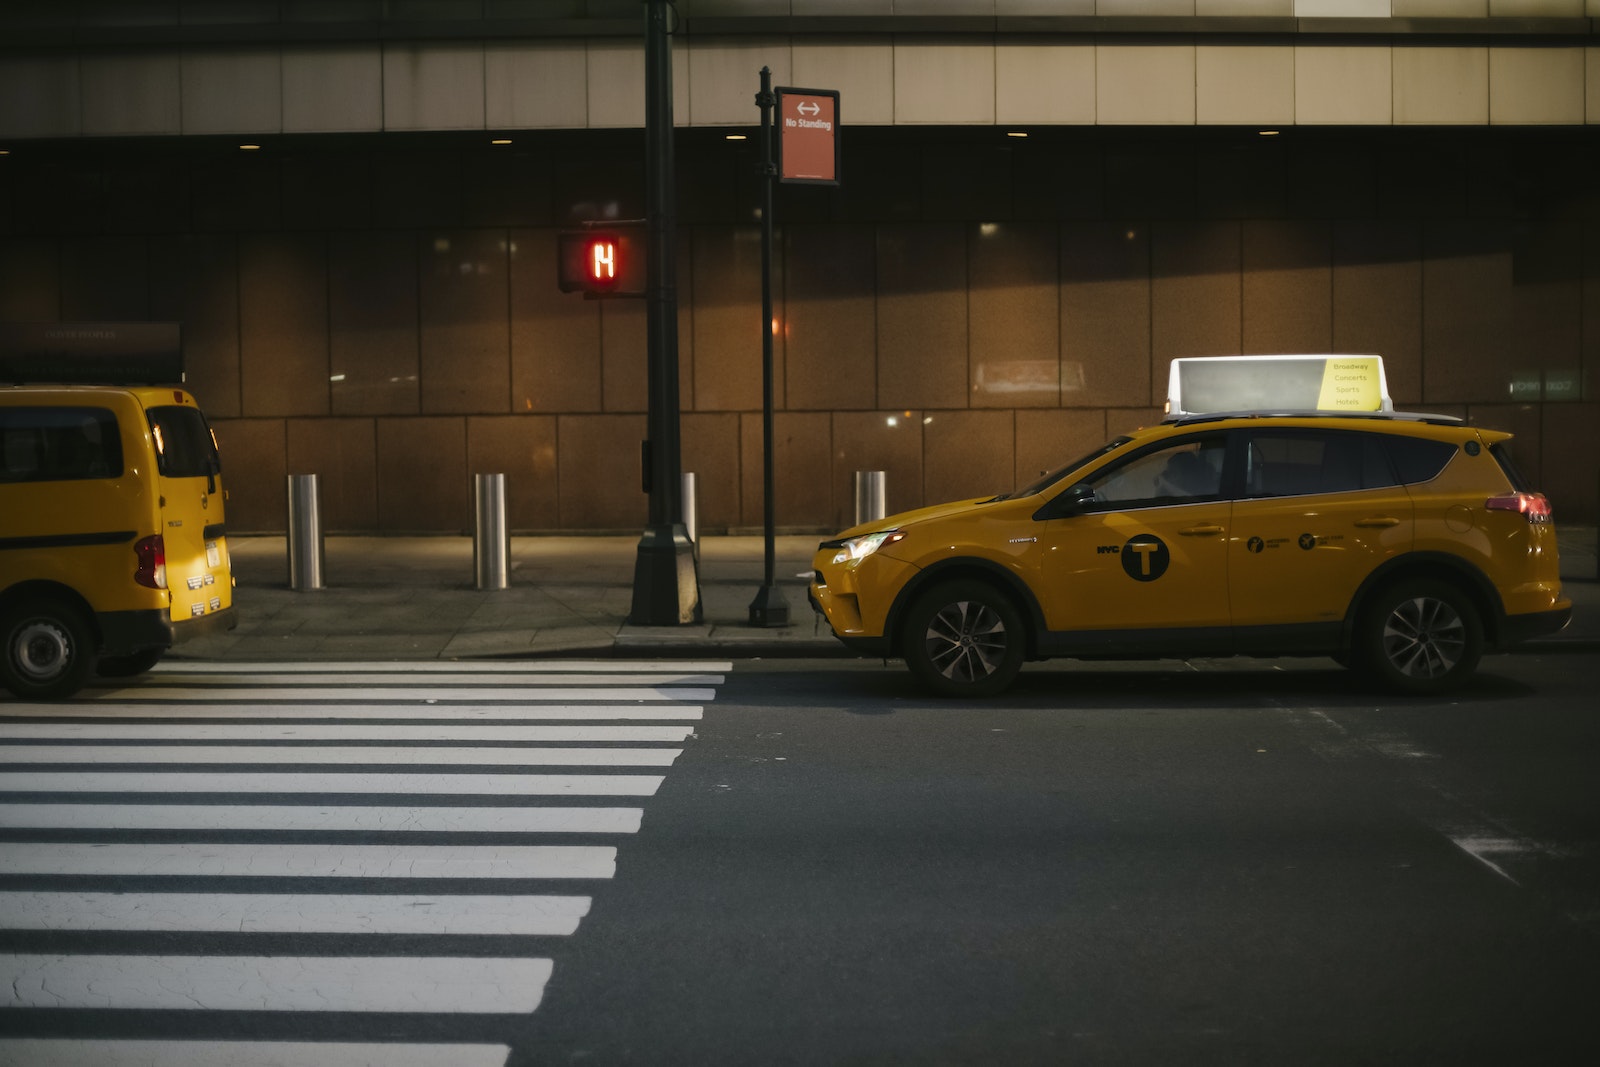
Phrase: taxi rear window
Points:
(58, 444)
(184, 446)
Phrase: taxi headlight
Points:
(852, 549)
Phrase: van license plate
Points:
(213, 556)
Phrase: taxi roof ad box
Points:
(1278, 384)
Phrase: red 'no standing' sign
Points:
(808, 136)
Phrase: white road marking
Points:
(388, 679)
(294, 913)
(274, 983)
(310, 861)
(537, 712)
(46, 1052)
(400, 692)
(308, 754)
(505, 820)
(215, 781)
(408, 667)
(273, 731)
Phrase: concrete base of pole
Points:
(769, 608)
(666, 580)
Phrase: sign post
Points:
(807, 153)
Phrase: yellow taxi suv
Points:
(1402, 545)
(113, 539)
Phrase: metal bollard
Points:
(691, 509)
(871, 496)
(305, 533)
(491, 540)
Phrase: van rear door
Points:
(192, 522)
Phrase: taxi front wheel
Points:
(964, 639)
(48, 649)
(1421, 636)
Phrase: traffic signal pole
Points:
(666, 581)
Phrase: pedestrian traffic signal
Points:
(598, 262)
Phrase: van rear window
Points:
(184, 445)
(58, 444)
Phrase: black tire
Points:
(964, 639)
(1420, 636)
(128, 666)
(47, 649)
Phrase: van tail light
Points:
(1532, 505)
(151, 553)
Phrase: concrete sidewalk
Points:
(412, 598)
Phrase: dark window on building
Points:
(58, 444)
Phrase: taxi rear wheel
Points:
(1421, 637)
(964, 639)
(47, 651)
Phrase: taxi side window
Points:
(1305, 463)
(1419, 460)
(58, 444)
(1187, 472)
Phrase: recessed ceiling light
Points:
(501, 140)
(1016, 133)
(734, 137)
(1268, 133)
(249, 148)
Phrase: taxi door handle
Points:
(1200, 531)
(1379, 521)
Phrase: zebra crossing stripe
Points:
(502, 820)
(48, 1052)
(431, 710)
(310, 861)
(277, 731)
(403, 668)
(294, 913)
(400, 692)
(308, 754)
(215, 781)
(487, 985)
(387, 679)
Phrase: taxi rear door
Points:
(192, 521)
(1135, 557)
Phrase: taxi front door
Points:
(1144, 558)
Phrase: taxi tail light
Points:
(151, 569)
(1533, 506)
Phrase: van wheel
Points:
(128, 666)
(1420, 637)
(48, 649)
(964, 639)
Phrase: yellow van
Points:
(113, 539)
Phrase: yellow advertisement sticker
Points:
(1350, 384)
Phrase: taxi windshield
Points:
(1045, 481)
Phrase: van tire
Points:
(47, 649)
(128, 666)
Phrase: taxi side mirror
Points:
(1073, 500)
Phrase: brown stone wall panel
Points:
(625, 356)
(465, 328)
(422, 475)
(1590, 351)
(342, 453)
(372, 287)
(803, 496)
(888, 441)
(1571, 480)
(1015, 325)
(922, 316)
(1287, 287)
(727, 320)
(30, 280)
(523, 448)
(1105, 314)
(1195, 294)
(967, 454)
(1048, 440)
(1471, 350)
(253, 472)
(710, 449)
(1122, 420)
(598, 458)
(555, 336)
(283, 324)
(1547, 304)
(105, 279)
(194, 280)
(830, 323)
(1377, 300)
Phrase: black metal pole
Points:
(666, 583)
(769, 608)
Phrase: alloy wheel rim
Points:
(1424, 637)
(966, 641)
(40, 651)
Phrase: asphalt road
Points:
(1113, 864)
